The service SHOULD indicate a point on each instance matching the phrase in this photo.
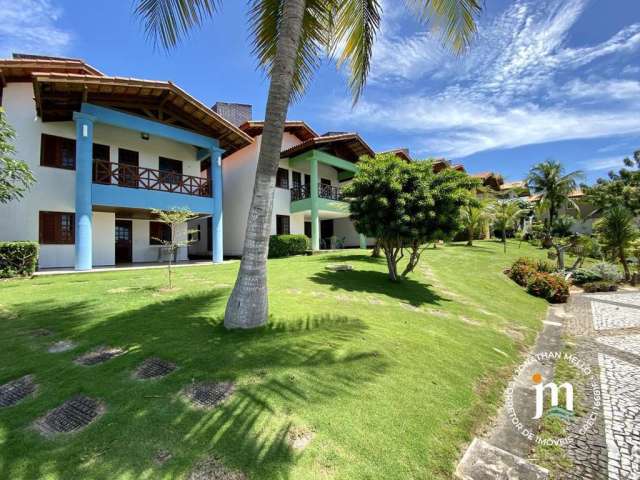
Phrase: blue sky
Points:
(544, 78)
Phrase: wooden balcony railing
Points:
(330, 192)
(131, 176)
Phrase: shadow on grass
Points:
(350, 258)
(370, 281)
(279, 369)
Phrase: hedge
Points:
(287, 245)
(18, 258)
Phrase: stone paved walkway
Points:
(606, 331)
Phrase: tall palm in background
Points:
(504, 216)
(617, 231)
(549, 181)
(290, 37)
(473, 217)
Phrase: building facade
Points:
(107, 151)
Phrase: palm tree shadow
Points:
(283, 367)
(408, 290)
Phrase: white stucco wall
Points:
(55, 188)
(143, 251)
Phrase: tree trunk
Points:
(625, 265)
(470, 236)
(376, 250)
(248, 305)
(504, 239)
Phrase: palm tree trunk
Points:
(625, 265)
(504, 239)
(470, 231)
(248, 305)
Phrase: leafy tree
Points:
(549, 181)
(505, 215)
(15, 176)
(473, 217)
(562, 226)
(621, 188)
(289, 39)
(406, 205)
(174, 218)
(617, 231)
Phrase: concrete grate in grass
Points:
(17, 390)
(154, 367)
(99, 355)
(61, 346)
(72, 416)
(213, 469)
(208, 395)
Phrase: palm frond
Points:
(454, 18)
(356, 24)
(167, 22)
(265, 17)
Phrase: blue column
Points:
(216, 221)
(84, 167)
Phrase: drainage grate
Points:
(207, 394)
(99, 355)
(41, 332)
(73, 415)
(61, 346)
(154, 367)
(14, 391)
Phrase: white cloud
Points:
(29, 26)
(600, 164)
(507, 90)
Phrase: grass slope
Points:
(390, 378)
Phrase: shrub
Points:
(545, 266)
(521, 271)
(287, 245)
(18, 258)
(592, 287)
(585, 275)
(607, 271)
(553, 288)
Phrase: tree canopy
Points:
(15, 176)
(620, 188)
(406, 205)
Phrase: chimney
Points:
(236, 113)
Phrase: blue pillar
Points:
(216, 221)
(363, 242)
(84, 168)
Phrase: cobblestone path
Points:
(606, 331)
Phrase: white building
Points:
(307, 199)
(105, 151)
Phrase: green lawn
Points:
(392, 379)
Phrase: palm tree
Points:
(548, 180)
(505, 215)
(289, 38)
(617, 231)
(473, 218)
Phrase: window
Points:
(194, 234)
(101, 152)
(282, 224)
(57, 228)
(172, 170)
(209, 233)
(123, 232)
(296, 179)
(282, 178)
(307, 179)
(159, 232)
(57, 152)
(325, 181)
(128, 168)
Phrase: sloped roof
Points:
(345, 145)
(21, 67)
(298, 128)
(58, 95)
(400, 152)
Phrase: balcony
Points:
(132, 176)
(328, 192)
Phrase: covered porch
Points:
(318, 202)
